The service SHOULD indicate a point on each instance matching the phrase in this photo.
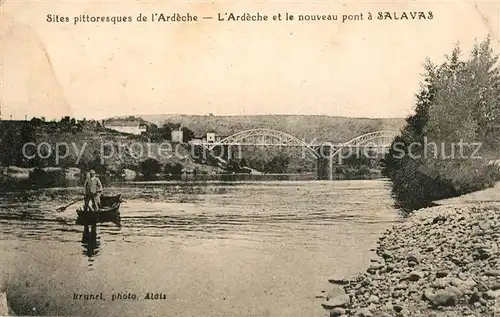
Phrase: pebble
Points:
(491, 294)
(338, 301)
(441, 257)
(415, 276)
(373, 299)
(337, 311)
(364, 312)
(444, 298)
(339, 281)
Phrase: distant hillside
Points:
(324, 128)
(83, 145)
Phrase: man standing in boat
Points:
(93, 189)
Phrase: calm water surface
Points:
(212, 248)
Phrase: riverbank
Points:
(18, 177)
(441, 261)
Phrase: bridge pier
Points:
(325, 163)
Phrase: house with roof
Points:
(209, 137)
(212, 137)
(177, 135)
(129, 127)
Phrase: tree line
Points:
(66, 124)
(458, 103)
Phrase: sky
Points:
(359, 68)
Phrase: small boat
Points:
(109, 211)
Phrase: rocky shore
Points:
(442, 261)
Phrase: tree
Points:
(165, 132)
(151, 128)
(187, 134)
(174, 169)
(233, 165)
(243, 162)
(358, 159)
(258, 164)
(278, 165)
(458, 102)
(150, 167)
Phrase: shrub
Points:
(459, 101)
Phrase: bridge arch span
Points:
(263, 137)
(378, 138)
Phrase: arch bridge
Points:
(377, 141)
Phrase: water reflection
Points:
(406, 208)
(90, 242)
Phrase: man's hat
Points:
(92, 172)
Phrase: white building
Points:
(129, 127)
(210, 137)
(177, 136)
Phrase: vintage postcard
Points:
(250, 158)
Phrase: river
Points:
(210, 248)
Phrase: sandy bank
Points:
(442, 261)
(5, 309)
(488, 195)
